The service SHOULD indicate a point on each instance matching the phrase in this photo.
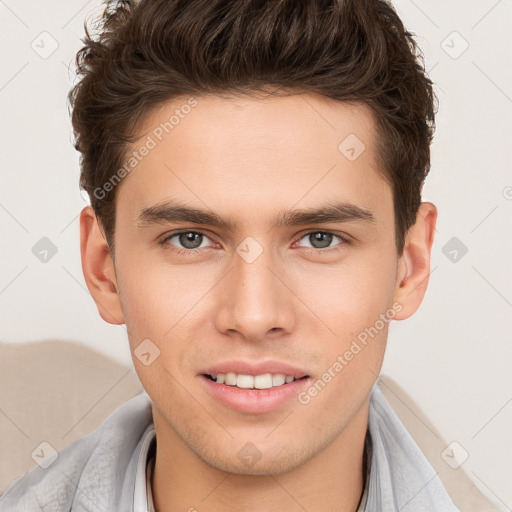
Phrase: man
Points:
(255, 174)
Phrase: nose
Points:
(256, 299)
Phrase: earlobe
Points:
(98, 268)
(414, 264)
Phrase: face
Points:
(304, 291)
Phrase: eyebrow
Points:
(171, 211)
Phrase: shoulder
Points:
(93, 468)
(463, 492)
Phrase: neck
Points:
(332, 480)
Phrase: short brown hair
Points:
(148, 52)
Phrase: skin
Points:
(246, 160)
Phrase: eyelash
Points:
(345, 240)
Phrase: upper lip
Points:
(256, 368)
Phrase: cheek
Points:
(160, 301)
(146, 298)
(144, 280)
(155, 308)
(349, 296)
(354, 300)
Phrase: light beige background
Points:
(453, 357)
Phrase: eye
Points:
(322, 239)
(189, 241)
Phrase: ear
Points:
(414, 264)
(98, 268)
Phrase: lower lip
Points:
(255, 401)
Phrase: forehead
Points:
(251, 152)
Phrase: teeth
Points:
(265, 381)
(278, 379)
(245, 381)
(230, 379)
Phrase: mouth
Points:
(256, 394)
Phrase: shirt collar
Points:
(142, 499)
